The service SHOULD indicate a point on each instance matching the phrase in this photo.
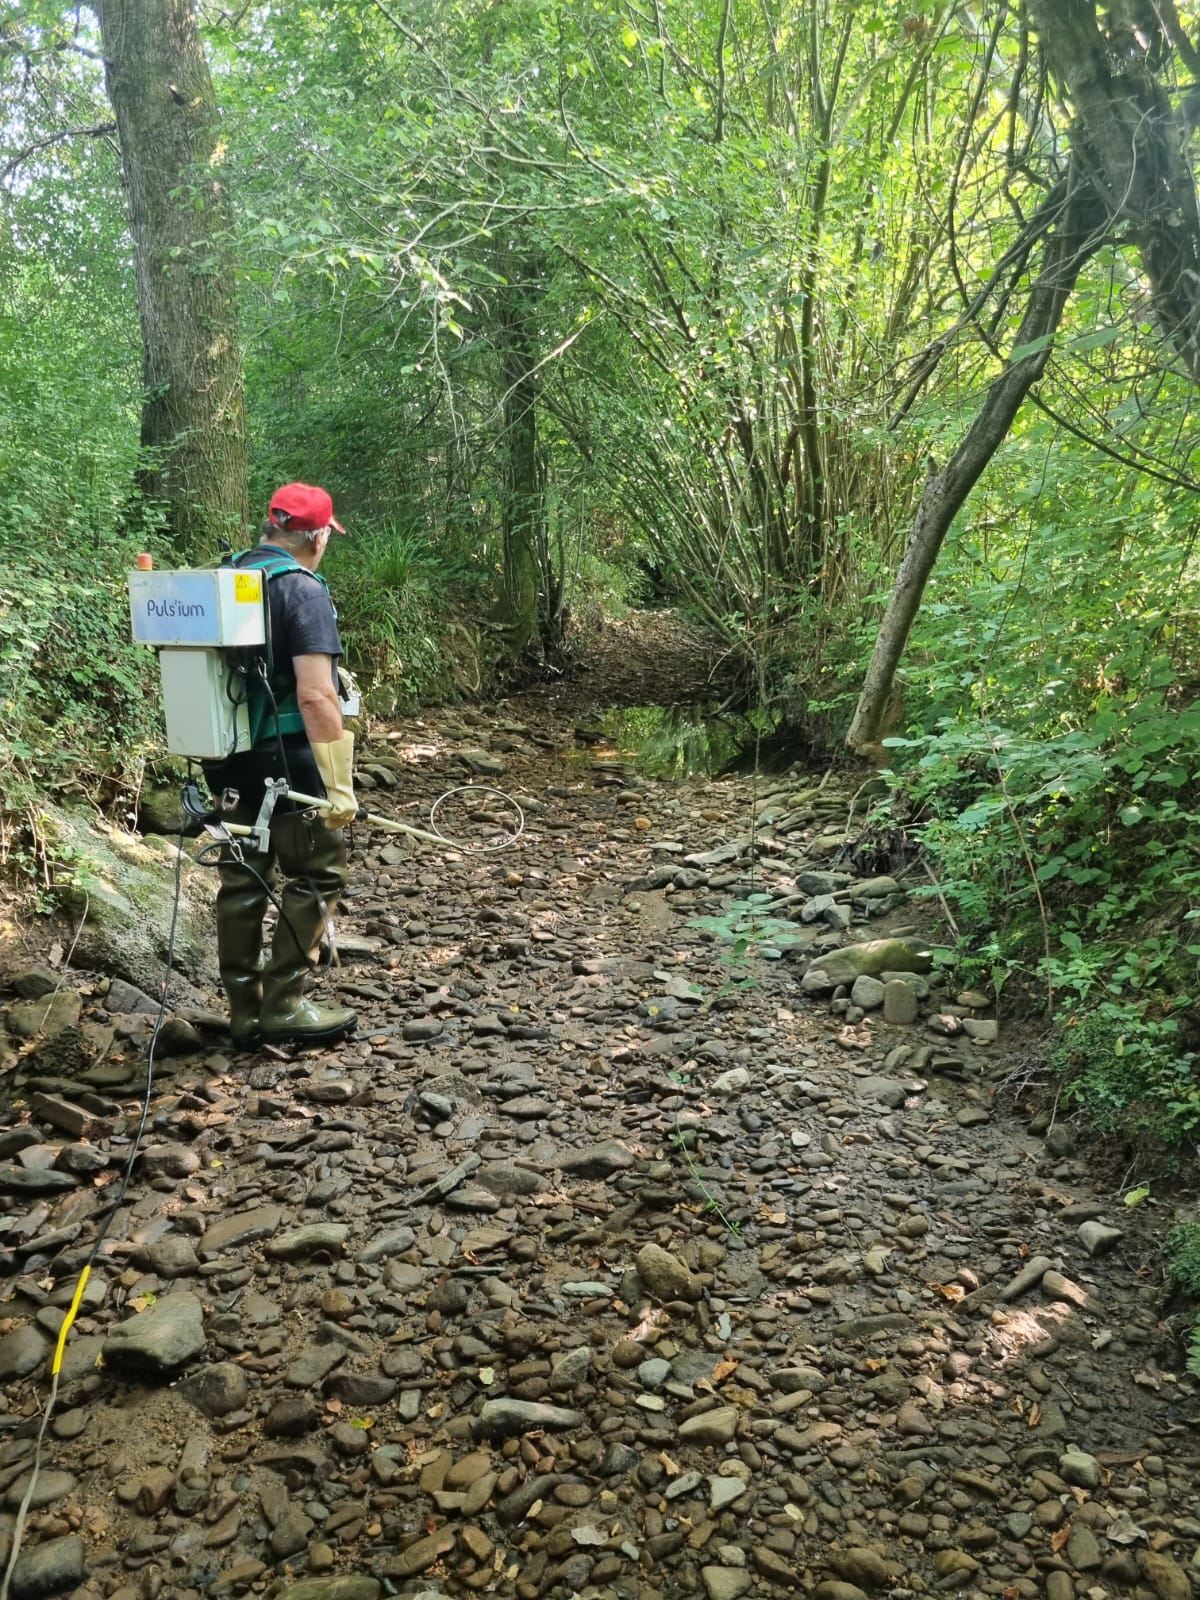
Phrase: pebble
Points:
(1081, 1469)
(502, 1417)
(725, 1583)
(50, 1486)
(862, 1566)
(316, 1238)
(570, 1370)
(664, 1275)
(723, 1492)
(1029, 1276)
(710, 1427)
(1056, 1286)
(867, 993)
(239, 1229)
(900, 1003)
(172, 1256)
(1097, 1238)
(1164, 1575)
(216, 1390)
(421, 1555)
(21, 1352)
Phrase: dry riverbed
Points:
(599, 1262)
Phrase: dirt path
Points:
(589, 1268)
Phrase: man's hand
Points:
(335, 762)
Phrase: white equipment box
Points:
(191, 617)
(217, 607)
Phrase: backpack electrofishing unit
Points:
(211, 627)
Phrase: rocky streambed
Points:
(643, 1242)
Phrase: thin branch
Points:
(98, 131)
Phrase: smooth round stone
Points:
(900, 1003)
(867, 993)
(654, 1373)
(1080, 1469)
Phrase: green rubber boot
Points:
(241, 903)
(313, 858)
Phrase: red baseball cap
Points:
(306, 507)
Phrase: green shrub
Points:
(1183, 1275)
(1070, 856)
(79, 700)
(1127, 1069)
(396, 599)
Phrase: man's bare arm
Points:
(318, 699)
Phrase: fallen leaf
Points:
(954, 1292)
(671, 1468)
(1057, 1540)
(651, 1318)
(723, 1370)
(1035, 1416)
(56, 954)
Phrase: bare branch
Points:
(99, 130)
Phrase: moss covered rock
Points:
(123, 887)
(869, 960)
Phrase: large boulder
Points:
(123, 888)
(160, 1340)
(869, 960)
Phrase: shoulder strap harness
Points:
(273, 706)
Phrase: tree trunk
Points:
(193, 414)
(531, 594)
(1065, 249)
(1131, 144)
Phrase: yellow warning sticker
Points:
(247, 586)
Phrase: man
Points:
(297, 732)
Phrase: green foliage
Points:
(1183, 1258)
(1049, 770)
(396, 597)
(1183, 1276)
(79, 699)
(1127, 1069)
(679, 741)
(751, 933)
(679, 1141)
(747, 926)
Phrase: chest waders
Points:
(266, 997)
